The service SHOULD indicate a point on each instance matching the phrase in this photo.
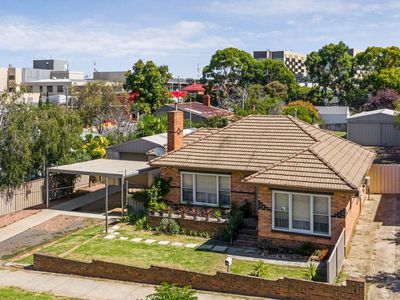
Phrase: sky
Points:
(184, 34)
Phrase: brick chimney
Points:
(175, 130)
(207, 100)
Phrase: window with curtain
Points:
(300, 212)
(206, 189)
(281, 210)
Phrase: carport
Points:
(107, 168)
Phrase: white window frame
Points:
(194, 188)
(291, 229)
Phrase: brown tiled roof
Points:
(281, 150)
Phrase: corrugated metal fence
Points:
(385, 178)
(335, 261)
(29, 194)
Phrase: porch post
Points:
(47, 188)
(106, 204)
(122, 196)
(126, 191)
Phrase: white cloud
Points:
(263, 8)
(88, 37)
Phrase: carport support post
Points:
(122, 196)
(106, 182)
(47, 188)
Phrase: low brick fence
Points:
(284, 288)
(212, 228)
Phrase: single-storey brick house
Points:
(304, 184)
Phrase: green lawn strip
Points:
(144, 255)
(16, 293)
(245, 267)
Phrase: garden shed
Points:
(374, 128)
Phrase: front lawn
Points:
(90, 244)
(13, 293)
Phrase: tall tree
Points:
(332, 68)
(97, 100)
(229, 73)
(270, 70)
(149, 82)
(385, 98)
(379, 68)
(32, 138)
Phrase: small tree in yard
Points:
(303, 110)
(385, 98)
(172, 292)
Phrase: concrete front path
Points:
(65, 208)
(88, 288)
(375, 247)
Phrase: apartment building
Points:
(295, 62)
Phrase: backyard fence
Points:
(385, 179)
(29, 194)
(335, 261)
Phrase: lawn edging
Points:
(354, 289)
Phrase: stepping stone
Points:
(206, 247)
(109, 236)
(136, 239)
(220, 248)
(163, 242)
(116, 233)
(177, 244)
(149, 241)
(115, 227)
(123, 238)
(191, 245)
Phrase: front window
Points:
(206, 189)
(299, 212)
(60, 89)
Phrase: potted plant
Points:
(218, 214)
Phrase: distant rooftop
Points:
(201, 109)
(383, 111)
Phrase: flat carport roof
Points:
(114, 168)
(104, 167)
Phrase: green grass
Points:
(16, 293)
(342, 134)
(89, 244)
(245, 267)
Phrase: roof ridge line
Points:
(329, 165)
(294, 120)
(275, 164)
(196, 141)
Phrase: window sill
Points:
(302, 233)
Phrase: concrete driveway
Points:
(375, 247)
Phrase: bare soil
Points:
(43, 233)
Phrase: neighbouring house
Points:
(195, 88)
(374, 128)
(196, 111)
(303, 183)
(147, 148)
(334, 117)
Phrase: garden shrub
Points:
(312, 272)
(246, 209)
(304, 110)
(235, 222)
(172, 292)
(260, 269)
(306, 249)
(168, 225)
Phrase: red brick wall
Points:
(272, 238)
(220, 282)
(240, 191)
